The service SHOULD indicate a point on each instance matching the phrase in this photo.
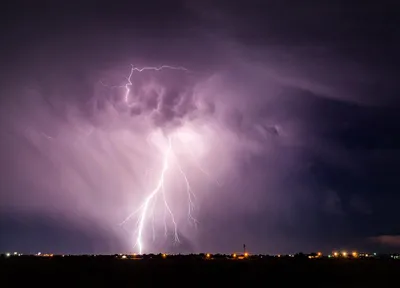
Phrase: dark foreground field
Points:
(112, 272)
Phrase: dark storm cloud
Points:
(304, 87)
(54, 233)
(360, 205)
(343, 50)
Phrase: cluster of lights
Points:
(132, 256)
(345, 254)
(318, 255)
(14, 254)
(207, 256)
(240, 257)
(44, 255)
(368, 255)
(136, 256)
(237, 256)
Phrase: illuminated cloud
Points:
(262, 129)
(387, 240)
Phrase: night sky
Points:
(294, 104)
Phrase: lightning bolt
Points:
(190, 196)
(159, 189)
(129, 83)
(145, 211)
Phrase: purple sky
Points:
(286, 124)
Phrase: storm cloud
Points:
(268, 126)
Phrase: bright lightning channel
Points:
(129, 83)
(133, 69)
(146, 209)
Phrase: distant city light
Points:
(234, 256)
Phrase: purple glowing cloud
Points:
(104, 159)
(95, 153)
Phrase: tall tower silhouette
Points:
(244, 248)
